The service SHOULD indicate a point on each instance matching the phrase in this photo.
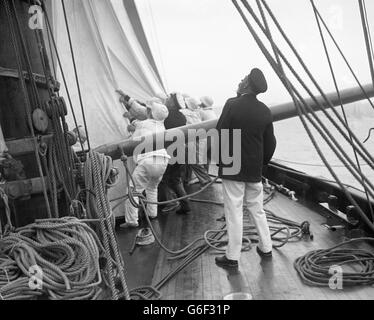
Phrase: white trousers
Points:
(234, 195)
(203, 151)
(147, 176)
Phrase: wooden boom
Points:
(280, 112)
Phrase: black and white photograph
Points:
(185, 155)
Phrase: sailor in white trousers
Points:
(151, 165)
(236, 195)
(242, 178)
(147, 176)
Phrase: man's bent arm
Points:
(270, 143)
(224, 120)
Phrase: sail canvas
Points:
(108, 56)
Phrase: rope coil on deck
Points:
(316, 267)
(283, 231)
(72, 262)
(98, 171)
(289, 229)
(66, 251)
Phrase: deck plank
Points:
(265, 280)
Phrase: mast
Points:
(25, 126)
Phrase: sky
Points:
(202, 47)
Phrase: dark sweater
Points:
(175, 119)
(258, 142)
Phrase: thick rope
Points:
(25, 94)
(342, 107)
(334, 145)
(76, 73)
(97, 172)
(8, 226)
(283, 231)
(50, 34)
(299, 106)
(290, 229)
(67, 252)
(367, 36)
(315, 268)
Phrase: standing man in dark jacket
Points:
(258, 143)
(173, 176)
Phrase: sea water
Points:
(296, 150)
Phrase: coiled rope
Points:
(8, 226)
(177, 254)
(283, 230)
(72, 261)
(98, 169)
(317, 267)
(67, 253)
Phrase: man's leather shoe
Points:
(264, 254)
(226, 263)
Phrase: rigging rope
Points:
(369, 45)
(330, 144)
(50, 33)
(76, 73)
(367, 36)
(56, 109)
(301, 107)
(56, 112)
(285, 59)
(369, 135)
(25, 94)
(296, 103)
(362, 151)
(288, 85)
(50, 47)
(344, 58)
(342, 107)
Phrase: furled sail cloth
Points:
(108, 56)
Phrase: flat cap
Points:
(257, 81)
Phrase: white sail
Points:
(108, 56)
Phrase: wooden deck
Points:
(203, 280)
